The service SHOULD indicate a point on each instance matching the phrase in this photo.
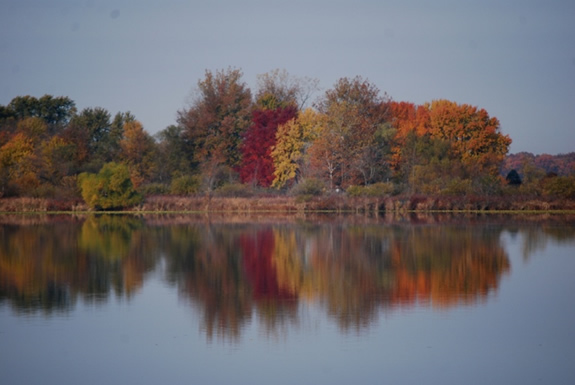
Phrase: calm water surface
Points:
(184, 300)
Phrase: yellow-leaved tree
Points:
(292, 139)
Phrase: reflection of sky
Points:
(514, 58)
(521, 335)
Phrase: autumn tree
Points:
(353, 146)
(407, 119)
(216, 121)
(116, 133)
(290, 151)
(257, 163)
(475, 137)
(328, 151)
(18, 166)
(138, 151)
(278, 88)
(57, 159)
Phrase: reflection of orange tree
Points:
(446, 265)
(354, 273)
(33, 262)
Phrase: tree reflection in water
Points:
(231, 272)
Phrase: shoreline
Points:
(333, 204)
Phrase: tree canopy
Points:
(353, 136)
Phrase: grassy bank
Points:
(289, 205)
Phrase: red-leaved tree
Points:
(257, 164)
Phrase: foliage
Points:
(217, 119)
(150, 189)
(111, 188)
(185, 185)
(234, 190)
(353, 145)
(309, 186)
(138, 151)
(374, 190)
(560, 187)
(513, 178)
(56, 112)
(19, 166)
(474, 136)
(292, 139)
(257, 165)
(354, 138)
(278, 88)
(175, 153)
(561, 164)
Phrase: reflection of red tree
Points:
(260, 272)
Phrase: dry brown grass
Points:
(298, 205)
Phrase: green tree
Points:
(175, 155)
(55, 111)
(89, 131)
(111, 188)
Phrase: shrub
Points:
(560, 187)
(513, 178)
(457, 186)
(154, 189)
(310, 186)
(234, 190)
(111, 188)
(185, 185)
(373, 190)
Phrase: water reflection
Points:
(231, 272)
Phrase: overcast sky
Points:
(516, 59)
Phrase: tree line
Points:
(230, 141)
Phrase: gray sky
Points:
(516, 59)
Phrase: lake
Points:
(186, 299)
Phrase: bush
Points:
(154, 189)
(111, 188)
(457, 186)
(185, 185)
(234, 190)
(311, 187)
(560, 187)
(355, 191)
(372, 190)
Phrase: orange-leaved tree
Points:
(475, 137)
